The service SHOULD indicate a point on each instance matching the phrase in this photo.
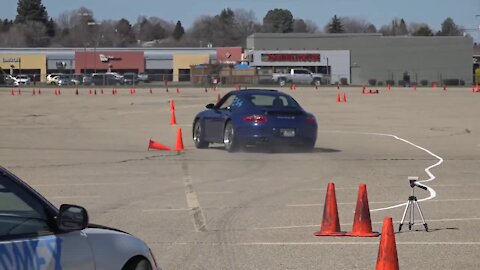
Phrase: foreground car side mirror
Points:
(210, 106)
(72, 218)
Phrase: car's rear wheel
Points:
(229, 138)
(138, 264)
(197, 135)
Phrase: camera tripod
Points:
(411, 203)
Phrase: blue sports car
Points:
(255, 117)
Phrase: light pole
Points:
(94, 47)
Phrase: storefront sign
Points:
(291, 57)
(108, 58)
(11, 60)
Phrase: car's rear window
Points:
(266, 100)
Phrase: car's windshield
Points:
(20, 212)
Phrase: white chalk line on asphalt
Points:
(432, 177)
(312, 243)
(353, 203)
(349, 224)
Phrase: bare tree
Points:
(357, 25)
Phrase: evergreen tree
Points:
(31, 10)
(178, 32)
(449, 28)
(335, 25)
(423, 30)
(401, 28)
(278, 21)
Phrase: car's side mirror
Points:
(72, 218)
(210, 106)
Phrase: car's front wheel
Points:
(197, 135)
(229, 138)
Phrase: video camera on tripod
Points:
(412, 200)
(413, 182)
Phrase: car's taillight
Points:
(255, 118)
(310, 120)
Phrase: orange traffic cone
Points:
(338, 98)
(362, 224)
(76, 92)
(157, 146)
(344, 97)
(39, 91)
(330, 221)
(444, 87)
(172, 105)
(151, 92)
(173, 121)
(12, 93)
(19, 92)
(101, 91)
(387, 251)
(414, 87)
(33, 92)
(179, 144)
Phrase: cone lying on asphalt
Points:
(330, 221)
(362, 224)
(387, 251)
(157, 146)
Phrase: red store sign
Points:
(290, 57)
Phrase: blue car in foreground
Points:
(255, 117)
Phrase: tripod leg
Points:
(412, 217)
(421, 215)
(403, 216)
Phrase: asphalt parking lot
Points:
(209, 209)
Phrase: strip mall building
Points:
(352, 58)
(171, 64)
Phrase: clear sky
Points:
(378, 12)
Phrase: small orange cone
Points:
(12, 93)
(76, 92)
(444, 87)
(90, 91)
(19, 92)
(330, 221)
(157, 146)
(173, 121)
(387, 251)
(39, 91)
(414, 87)
(172, 105)
(338, 86)
(362, 224)
(178, 90)
(101, 91)
(33, 92)
(59, 93)
(179, 144)
(151, 91)
(338, 98)
(344, 97)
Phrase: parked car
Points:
(34, 234)
(255, 117)
(106, 79)
(53, 77)
(130, 79)
(10, 80)
(63, 80)
(143, 77)
(23, 79)
(298, 75)
(87, 80)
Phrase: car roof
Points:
(256, 91)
